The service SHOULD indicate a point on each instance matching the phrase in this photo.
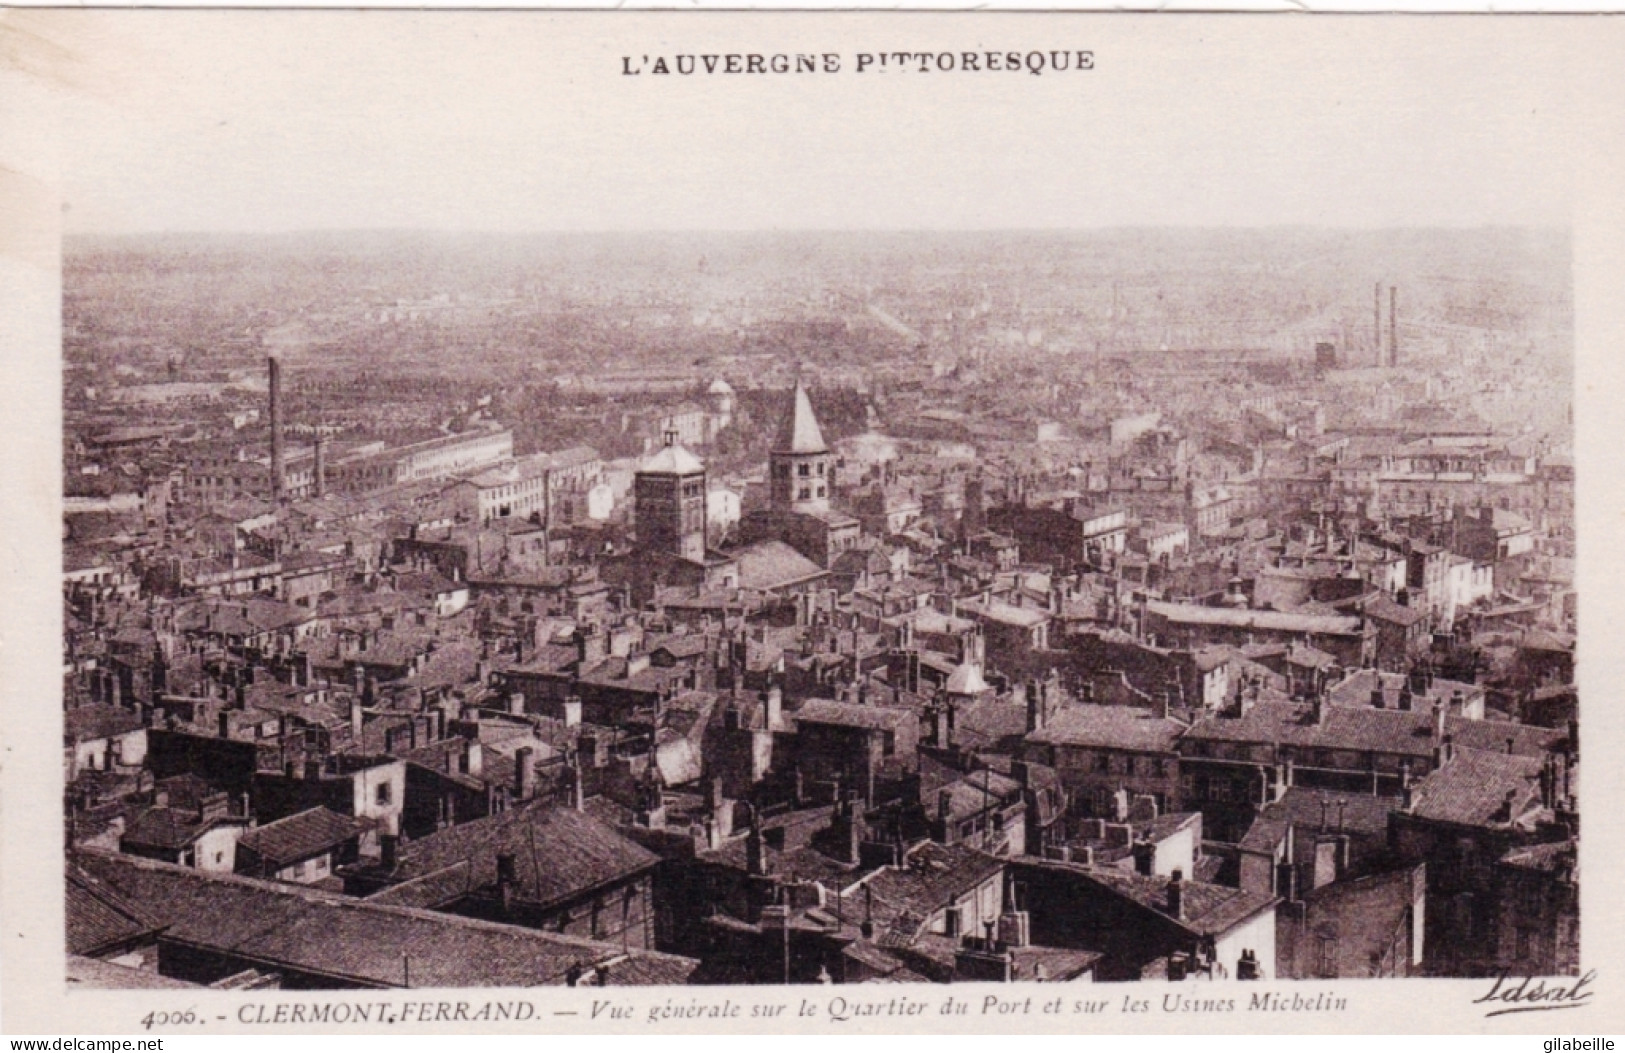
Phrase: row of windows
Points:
(1108, 763)
(805, 469)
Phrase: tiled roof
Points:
(1525, 740)
(170, 828)
(99, 919)
(88, 723)
(1268, 621)
(1405, 732)
(1207, 909)
(792, 866)
(1310, 657)
(933, 876)
(852, 715)
(768, 565)
(1472, 787)
(557, 852)
(1359, 813)
(974, 794)
(187, 790)
(1110, 727)
(359, 943)
(1356, 688)
(1006, 614)
(1387, 610)
(988, 721)
(1544, 640)
(430, 890)
(300, 836)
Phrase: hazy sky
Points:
(270, 121)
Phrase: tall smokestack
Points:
(1376, 325)
(1393, 325)
(278, 479)
(319, 479)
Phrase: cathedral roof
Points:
(800, 432)
(670, 460)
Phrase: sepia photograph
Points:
(569, 501)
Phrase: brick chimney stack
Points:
(1176, 894)
(524, 773)
(278, 465)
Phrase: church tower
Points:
(669, 502)
(799, 466)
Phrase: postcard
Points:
(654, 522)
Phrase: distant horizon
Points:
(1440, 227)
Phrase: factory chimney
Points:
(1376, 325)
(278, 478)
(319, 478)
(1393, 325)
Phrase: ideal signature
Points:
(1528, 994)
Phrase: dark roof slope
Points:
(558, 852)
(933, 876)
(1207, 909)
(301, 835)
(354, 943)
(1397, 731)
(98, 918)
(1473, 787)
(88, 723)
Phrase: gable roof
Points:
(1111, 727)
(933, 876)
(1472, 787)
(768, 565)
(173, 828)
(558, 852)
(300, 836)
(852, 715)
(1208, 909)
(354, 943)
(97, 721)
(97, 918)
(1353, 813)
(974, 794)
(1397, 731)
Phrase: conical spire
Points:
(800, 432)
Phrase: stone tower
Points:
(800, 467)
(669, 502)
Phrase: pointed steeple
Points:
(800, 432)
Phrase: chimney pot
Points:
(524, 773)
(1176, 894)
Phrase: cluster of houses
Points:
(361, 739)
